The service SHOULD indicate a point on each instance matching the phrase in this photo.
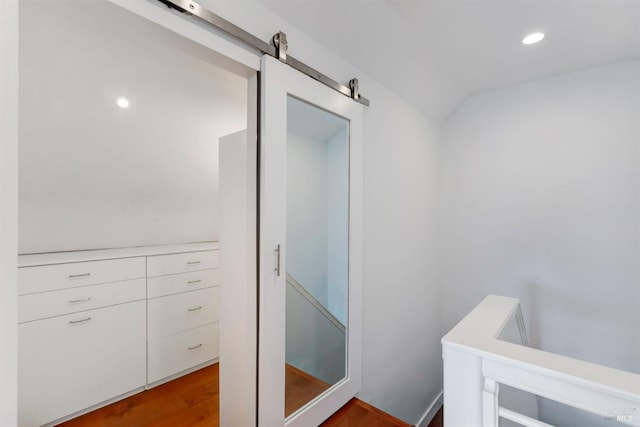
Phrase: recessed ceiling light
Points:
(533, 38)
(122, 102)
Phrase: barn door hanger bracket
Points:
(280, 42)
(355, 90)
(277, 48)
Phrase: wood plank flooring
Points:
(193, 400)
(300, 388)
(437, 420)
(357, 413)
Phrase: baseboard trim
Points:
(94, 407)
(431, 411)
(182, 373)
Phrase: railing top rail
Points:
(477, 333)
(317, 304)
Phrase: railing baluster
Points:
(490, 395)
(521, 419)
(521, 327)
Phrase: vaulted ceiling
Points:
(436, 53)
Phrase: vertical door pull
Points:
(277, 269)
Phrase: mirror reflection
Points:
(317, 252)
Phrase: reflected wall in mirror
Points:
(317, 252)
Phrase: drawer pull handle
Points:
(75, 322)
(75, 301)
(195, 308)
(195, 346)
(193, 262)
(77, 276)
(191, 282)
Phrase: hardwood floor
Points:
(193, 400)
(437, 420)
(300, 388)
(357, 413)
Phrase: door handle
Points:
(277, 269)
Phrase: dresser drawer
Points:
(184, 282)
(175, 353)
(65, 367)
(162, 265)
(66, 301)
(176, 313)
(63, 276)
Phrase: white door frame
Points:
(8, 212)
(279, 81)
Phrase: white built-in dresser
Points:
(97, 326)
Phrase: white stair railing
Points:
(476, 363)
(315, 340)
(291, 281)
(521, 419)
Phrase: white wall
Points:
(93, 175)
(338, 227)
(307, 216)
(318, 217)
(8, 211)
(402, 354)
(540, 200)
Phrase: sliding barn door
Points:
(309, 362)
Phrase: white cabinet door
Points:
(72, 362)
(310, 231)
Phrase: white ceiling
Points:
(435, 53)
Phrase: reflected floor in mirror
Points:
(193, 400)
(300, 388)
